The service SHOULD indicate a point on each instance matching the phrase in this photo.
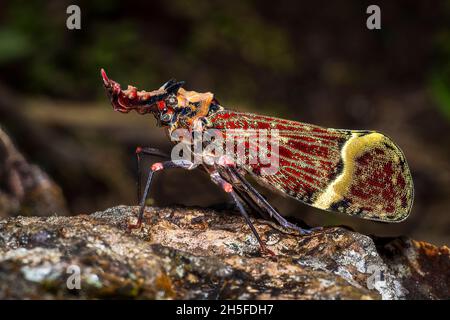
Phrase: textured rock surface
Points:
(203, 254)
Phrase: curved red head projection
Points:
(141, 101)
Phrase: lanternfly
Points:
(356, 172)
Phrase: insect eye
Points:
(166, 117)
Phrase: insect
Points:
(356, 172)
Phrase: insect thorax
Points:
(189, 107)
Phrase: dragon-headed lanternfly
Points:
(357, 172)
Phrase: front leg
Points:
(158, 166)
(145, 151)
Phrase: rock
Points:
(204, 254)
(26, 189)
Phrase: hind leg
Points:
(261, 202)
(228, 188)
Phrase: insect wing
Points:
(360, 173)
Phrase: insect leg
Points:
(225, 162)
(228, 188)
(150, 152)
(251, 203)
(158, 166)
(261, 201)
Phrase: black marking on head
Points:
(174, 87)
(168, 83)
(185, 111)
(155, 99)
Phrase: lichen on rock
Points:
(192, 253)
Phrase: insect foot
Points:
(133, 226)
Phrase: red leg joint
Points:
(157, 166)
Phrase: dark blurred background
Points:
(311, 61)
